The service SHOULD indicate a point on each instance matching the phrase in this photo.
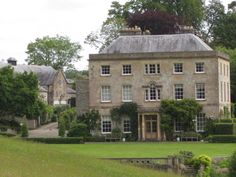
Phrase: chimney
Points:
(130, 31)
(12, 61)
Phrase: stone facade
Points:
(204, 77)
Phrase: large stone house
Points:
(148, 68)
(54, 88)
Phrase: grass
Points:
(26, 159)
(147, 149)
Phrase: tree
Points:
(58, 52)
(90, 118)
(18, 93)
(224, 32)
(214, 12)
(156, 22)
(191, 11)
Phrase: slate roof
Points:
(156, 43)
(45, 74)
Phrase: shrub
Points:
(90, 118)
(222, 139)
(24, 130)
(95, 139)
(204, 161)
(7, 134)
(69, 115)
(77, 140)
(78, 130)
(232, 165)
(223, 129)
(61, 126)
(186, 157)
(116, 133)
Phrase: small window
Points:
(199, 68)
(201, 122)
(105, 70)
(200, 91)
(178, 68)
(106, 124)
(106, 93)
(126, 125)
(152, 69)
(179, 92)
(127, 70)
(127, 93)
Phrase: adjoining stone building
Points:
(54, 88)
(148, 68)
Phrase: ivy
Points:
(130, 110)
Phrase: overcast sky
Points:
(22, 21)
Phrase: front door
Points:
(151, 127)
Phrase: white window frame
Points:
(104, 69)
(176, 67)
(125, 68)
(147, 69)
(201, 66)
(105, 94)
(128, 91)
(125, 123)
(177, 93)
(106, 124)
(200, 122)
(197, 90)
(179, 126)
(148, 94)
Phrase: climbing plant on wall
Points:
(130, 110)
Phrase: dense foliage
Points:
(58, 52)
(78, 130)
(232, 165)
(129, 110)
(183, 110)
(19, 94)
(90, 119)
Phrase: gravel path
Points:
(49, 130)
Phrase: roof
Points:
(156, 43)
(45, 74)
(70, 91)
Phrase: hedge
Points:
(7, 134)
(95, 139)
(77, 140)
(224, 129)
(222, 139)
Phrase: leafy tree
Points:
(18, 93)
(24, 130)
(61, 127)
(156, 22)
(224, 32)
(214, 12)
(78, 130)
(58, 52)
(183, 110)
(90, 118)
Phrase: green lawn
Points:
(26, 159)
(147, 149)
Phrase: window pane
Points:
(199, 67)
(126, 125)
(201, 122)
(178, 67)
(105, 70)
(127, 93)
(178, 125)
(179, 91)
(127, 69)
(106, 93)
(106, 124)
(153, 94)
(200, 91)
(158, 69)
(152, 69)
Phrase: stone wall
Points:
(82, 99)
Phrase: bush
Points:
(77, 140)
(69, 115)
(7, 134)
(222, 139)
(116, 133)
(224, 129)
(61, 126)
(78, 130)
(204, 161)
(94, 139)
(24, 130)
(232, 165)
